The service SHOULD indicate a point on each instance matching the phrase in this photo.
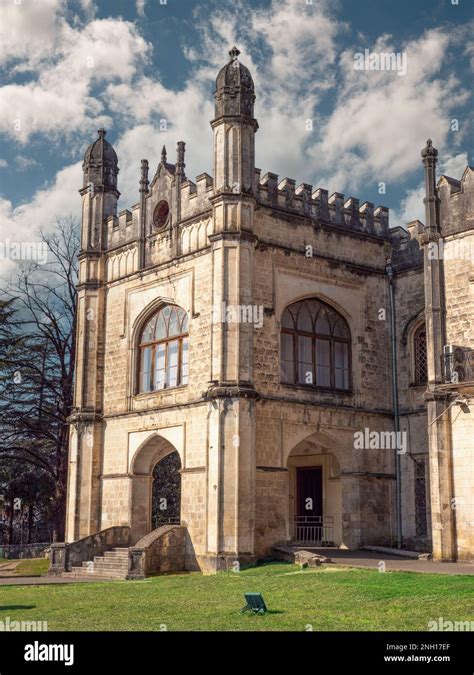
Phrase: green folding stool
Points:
(255, 603)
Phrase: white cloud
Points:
(30, 30)
(140, 5)
(3, 163)
(23, 223)
(375, 130)
(60, 101)
(381, 120)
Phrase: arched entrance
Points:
(315, 504)
(166, 491)
(155, 477)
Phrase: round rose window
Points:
(160, 214)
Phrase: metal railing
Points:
(314, 530)
(458, 364)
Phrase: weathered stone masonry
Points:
(243, 239)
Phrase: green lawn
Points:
(34, 567)
(327, 598)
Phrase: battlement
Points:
(318, 205)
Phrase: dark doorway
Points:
(166, 499)
(309, 491)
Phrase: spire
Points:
(180, 159)
(235, 92)
(163, 155)
(144, 182)
(234, 53)
(429, 155)
(100, 165)
(429, 151)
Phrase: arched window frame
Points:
(334, 317)
(159, 350)
(419, 353)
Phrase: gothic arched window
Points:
(315, 346)
(420, 356)
(163, 350)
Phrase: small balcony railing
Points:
(314, 530)
(458, 364)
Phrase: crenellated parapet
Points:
(195, 196)
(316, 204)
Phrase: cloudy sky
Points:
(145, 70)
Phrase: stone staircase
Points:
(112, 565)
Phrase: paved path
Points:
(392, 562)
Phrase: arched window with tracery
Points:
(315, 346)
(163, 350)
(420, 355)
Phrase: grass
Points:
(34, 567)
(336, 599)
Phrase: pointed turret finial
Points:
(144, 183)
(101, 133)
(163, 155)
(234, 53)
(429, 151)
(180, 159)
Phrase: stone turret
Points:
(100, 164)
(234, 128)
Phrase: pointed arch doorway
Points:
(156, 486)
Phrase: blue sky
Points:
(69, 67)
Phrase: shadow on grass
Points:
(7, 608)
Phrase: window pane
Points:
(322, 323)
(184, 321)
(287, 371)
(314, 307)
(160, 331)
(341, 365)
(305, 360)
(174, 328)
(184, 361)
(149, 330)
(172, 369)
(287, 320)
(160, 366)
(323, 363)
(145, 369)
(305, 322)
(340, 329)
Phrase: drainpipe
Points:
(396, 414)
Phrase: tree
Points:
(37, 354)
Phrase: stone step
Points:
(114, 555)
(83, 573)
(112, 561)
(110, 567)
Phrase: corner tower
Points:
(231, 394)
(99, 201)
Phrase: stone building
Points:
(294, 351)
